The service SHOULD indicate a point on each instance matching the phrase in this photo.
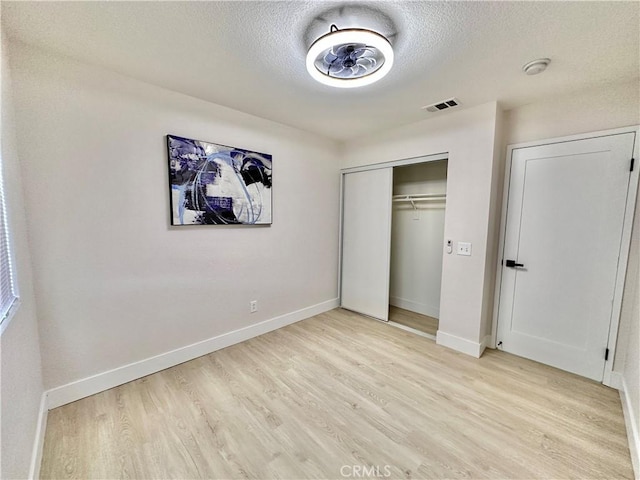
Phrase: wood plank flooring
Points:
(329, 396)
(414, 320)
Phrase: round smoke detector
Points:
(349, 58)
(536, 66)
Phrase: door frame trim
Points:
(431, 157)
(624, 245)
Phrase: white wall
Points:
(417, 237)
(627, 361)
(469, 137)
(115, 283)
(19, 347)
(610, 107)
(589, 111)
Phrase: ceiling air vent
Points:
(443, 105)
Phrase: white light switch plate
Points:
(464, 248)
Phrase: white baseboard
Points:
(38, 443)
(85, 387)
(484, 344)
(460, 344)
(422, 308)
(631, 422)
(615, 381)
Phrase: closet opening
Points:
(417, 245)
(392, 247)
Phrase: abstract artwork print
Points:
(218, 185)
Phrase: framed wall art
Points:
(215, 184)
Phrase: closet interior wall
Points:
(417, 237)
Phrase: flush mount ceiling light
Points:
(536, 66)
(348, 58)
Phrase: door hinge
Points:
(606, 355)
(633, 160)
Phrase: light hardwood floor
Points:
(414, 320)
(336, 392)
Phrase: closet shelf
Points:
(423, 197)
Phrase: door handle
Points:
(513, 264)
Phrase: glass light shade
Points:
(350, 58)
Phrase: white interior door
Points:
(565, 218)
(366, 241)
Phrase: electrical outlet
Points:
(464, 248)
(253, 306)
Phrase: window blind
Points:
(8, 294)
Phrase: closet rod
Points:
(419, 197)
(423, 197)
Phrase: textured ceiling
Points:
(250, 56)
